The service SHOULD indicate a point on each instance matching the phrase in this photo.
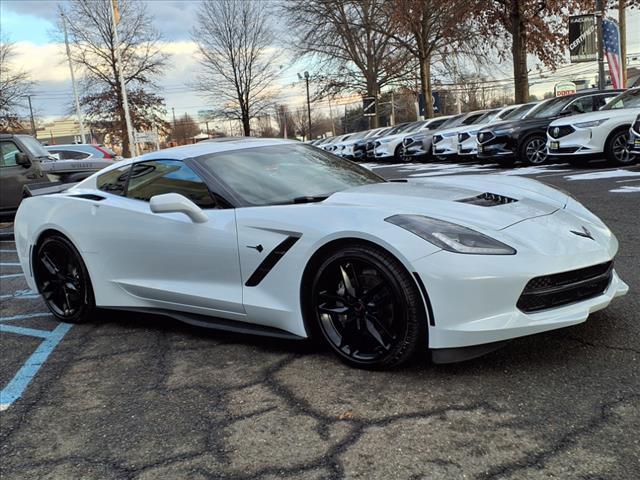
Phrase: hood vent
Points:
(488, 200)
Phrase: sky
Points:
(30, 24)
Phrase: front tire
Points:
(63, 280)
(367, 308)
(617, 148)
(533, 150)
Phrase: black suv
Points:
(24, 161)
(525, 140)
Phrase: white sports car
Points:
(279, 238)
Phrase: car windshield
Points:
(398, 129)
(551, 108)
(282, 174)
(358, 135)
(518, 112)
(416, 126)
(472, 119)
(628, 99)
(452, 122)
(34, 146)
(487, 117)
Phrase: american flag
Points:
(611, 34)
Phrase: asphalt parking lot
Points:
(141, 397)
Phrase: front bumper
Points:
(468, 146)
(634, 142)
(502, 146)
(383, 150)
(445, 147)
(578, 142)
(474, 298)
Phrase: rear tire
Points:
(63, 280)
(617, 148)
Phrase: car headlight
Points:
(504, 131)
(450, 236)
(593, 123)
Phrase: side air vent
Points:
(488, 200)
(88, 196)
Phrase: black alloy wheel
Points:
(617, 149)
(63, 280)
(368, 308)
(534, 150)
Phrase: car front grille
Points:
(407, 141)
(485, 137)
(564, 150)
(437, 138)
(559, 132)
(551, 291)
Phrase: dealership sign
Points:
(565, 88)
(369, 106)
(582, 38)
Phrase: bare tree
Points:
(14, 86)
(430, 30)
(351, 39)
(237, 57)
(93, 48)
(184, 129)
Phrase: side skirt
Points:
(462, 354)
(215, 323)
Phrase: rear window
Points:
(114, 181)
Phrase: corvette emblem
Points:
(584, 233)
(556, 132)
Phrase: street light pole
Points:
(73, 79)
(622, 21)
(599, 17)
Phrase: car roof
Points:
(213, 146)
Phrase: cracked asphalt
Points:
(130, 396)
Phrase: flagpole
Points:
(73, 79)
(133, 151)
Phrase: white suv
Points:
(605, 132)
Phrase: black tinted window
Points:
(168, 176)
(581, 105)
(114, 181)
(69, 154)
(8, 154)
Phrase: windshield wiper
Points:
(311, 198)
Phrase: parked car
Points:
(634, 139)
(390, 145)
(331, 145)
(445, 142)
(81, 151)
(604, 133)
(25, 162)
(340, 146)
(370, 146)
(355, 149)
(417, 145)
(301, 243)
(525, 140)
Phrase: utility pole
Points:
(599, 18)
(622, 22)
(306, 77)
(333, 127)
(133, 151)
(73, 79)
(393, 111)
(33, 122)
(173, 130)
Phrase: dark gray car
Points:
(25, 162)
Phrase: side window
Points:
(168, 176)
(601, 100)
(114, 181)
(70, 154)
(8, 151)
(581, 105)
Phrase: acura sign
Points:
(582, 38)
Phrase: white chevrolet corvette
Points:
(279, 238)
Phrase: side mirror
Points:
(176, 203)
(22, 159)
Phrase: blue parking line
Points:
(31, 332)
(8, 251)
(9, 264)
(23, 377)
(24, 316)
(21, 294)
